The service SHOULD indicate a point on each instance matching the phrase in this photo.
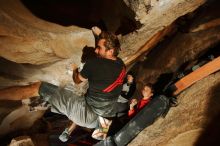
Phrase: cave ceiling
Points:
(51, 34)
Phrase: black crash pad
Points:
(157, 107)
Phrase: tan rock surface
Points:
(22, 141)
(155, 15)
(52, 49)
(182, 48)
(187, 138)
(198, 105)
(28, 39)
(18, 119)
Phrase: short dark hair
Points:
(150, 85)
(111, 42)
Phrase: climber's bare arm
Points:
(77, 78)
(20, 92)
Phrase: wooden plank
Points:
(149, 44)
(197, 75)
(210, 24)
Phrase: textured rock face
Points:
(181, 49)
(25, 38)
(15, 120)
(154, 15)
(24, 141)
(48, 50)
(197, 110)
(28, 39)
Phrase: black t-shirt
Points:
(105, 78)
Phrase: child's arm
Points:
(131, 113)
(132, 110)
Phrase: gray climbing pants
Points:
(65, 102)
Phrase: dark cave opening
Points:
(109, 15)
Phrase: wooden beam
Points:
(197, 75)
(207, 25)
(149, 44)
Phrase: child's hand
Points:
(133, 103)
(130, 79)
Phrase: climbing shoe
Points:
(64, 136)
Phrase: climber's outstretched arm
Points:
(77, 78)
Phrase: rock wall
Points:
(27, 39)
(183, 47)
(23, 34)
(45, 51)
(154, 15)
(196, 114)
